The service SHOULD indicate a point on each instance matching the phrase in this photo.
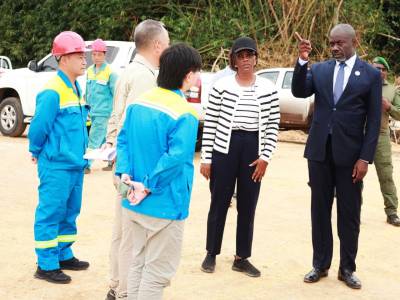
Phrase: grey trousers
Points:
(120, 250)
(115, 244)
(156, 252)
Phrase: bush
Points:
(210, 26)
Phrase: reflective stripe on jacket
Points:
(100, 87)
(156, 146)
(58, 134)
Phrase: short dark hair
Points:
(175, 63)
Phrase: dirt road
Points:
(281, 247)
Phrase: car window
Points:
(273, 76)
(50, 64)
(111, 54)
(4, 64)
(287, 80)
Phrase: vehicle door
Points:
(295, 109)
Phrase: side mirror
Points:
(32, 65)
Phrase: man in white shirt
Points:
(151, 39)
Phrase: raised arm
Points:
(302, 84)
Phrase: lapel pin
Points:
(357, 73)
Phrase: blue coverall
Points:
(58, 139)
(100, 86)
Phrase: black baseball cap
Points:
(244, 43)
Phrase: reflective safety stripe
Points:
(166, 101)
(67, 238)
(103, 75)
(67, 95)
(46, 244)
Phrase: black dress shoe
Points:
(110, 295)
(393, 220)
(54, 276)
(349, 278)
(74, 264)
(315, 275)
(243, 265)
(208, 264)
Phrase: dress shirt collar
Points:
(141, 59)
(349, 63)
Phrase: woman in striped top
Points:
(239, 137)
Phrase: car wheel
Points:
(11, 117)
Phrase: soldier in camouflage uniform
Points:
(383, 155)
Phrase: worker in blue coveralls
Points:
(100, 86)
(155, 151)
(57, 142)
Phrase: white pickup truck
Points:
(296, 113)
(5, 64)
(19, 87)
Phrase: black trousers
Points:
(324, 178)
(226, 170)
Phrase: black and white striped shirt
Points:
(223, 106)
(247, 110)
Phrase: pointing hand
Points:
(304, 46)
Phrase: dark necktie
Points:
(338, 88)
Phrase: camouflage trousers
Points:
(384, 169)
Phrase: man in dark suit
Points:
(340, 145)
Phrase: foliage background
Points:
(27, 27)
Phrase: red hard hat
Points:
(68, 42)
(99, 45)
